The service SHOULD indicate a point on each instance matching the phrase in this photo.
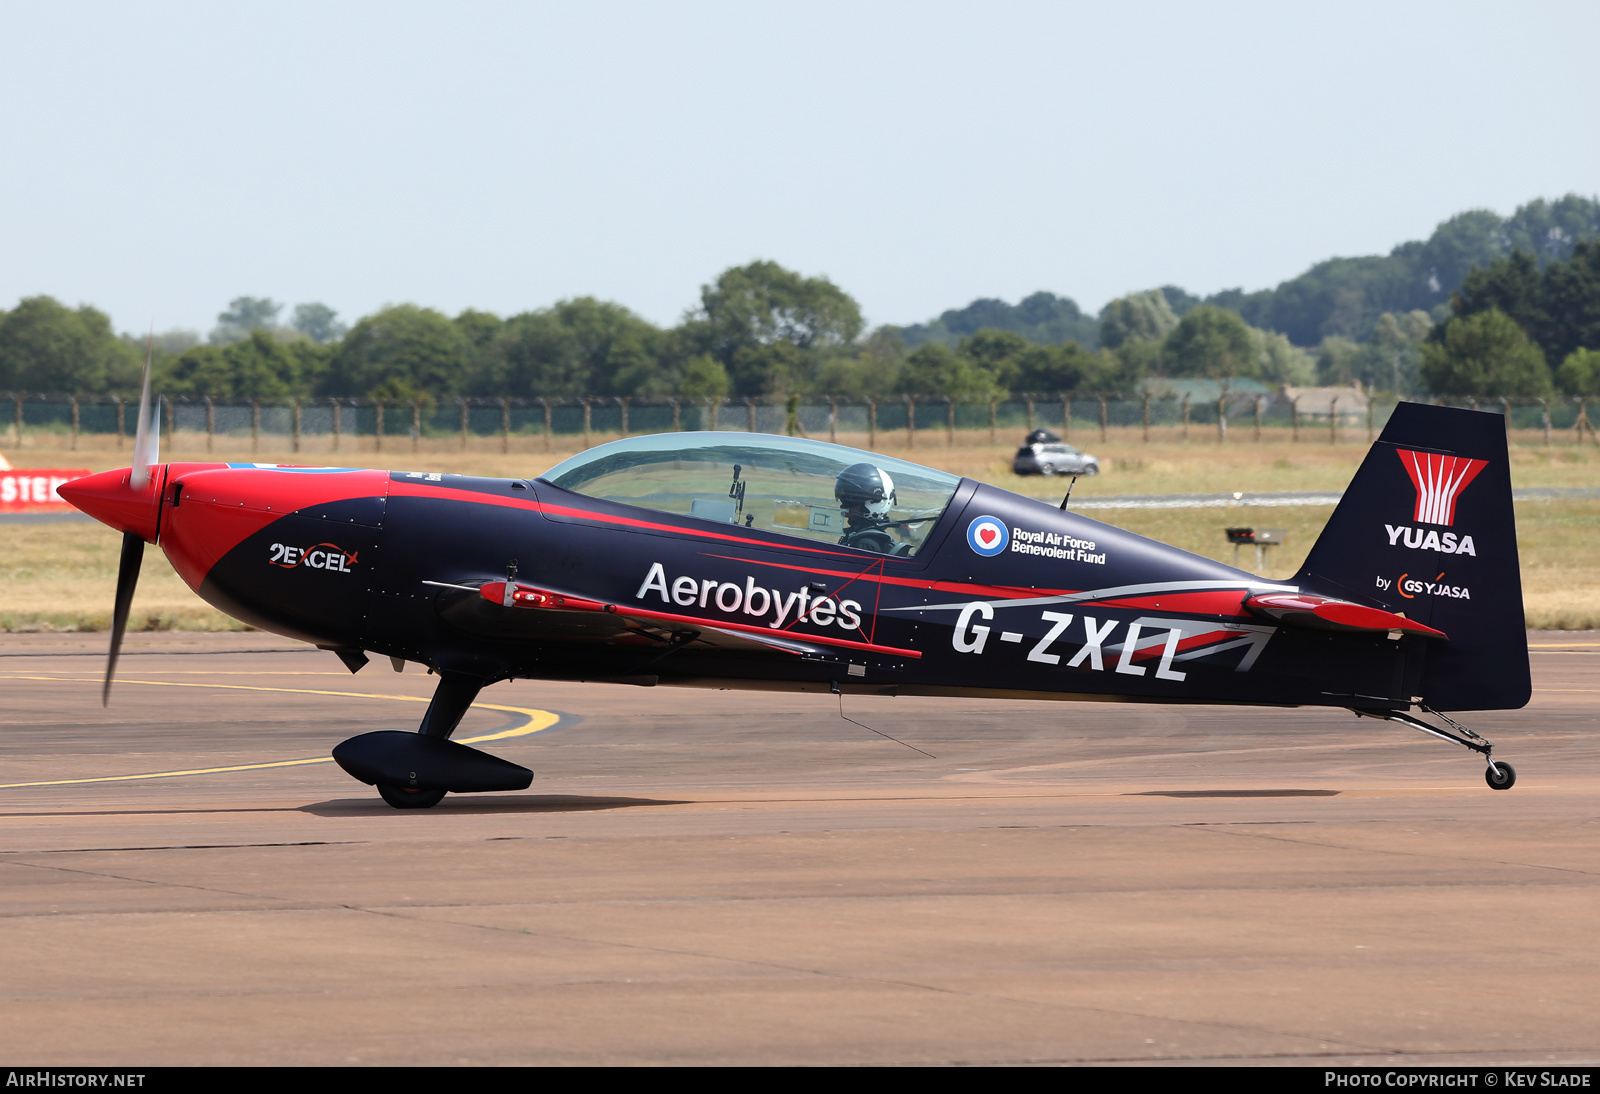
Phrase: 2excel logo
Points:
(323, 556)
(1439, 481)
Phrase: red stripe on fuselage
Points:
(748, 628)
(402, 488)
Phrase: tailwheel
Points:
(1499, 774)
(404, 798)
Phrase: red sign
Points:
(33, 489)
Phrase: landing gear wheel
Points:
(402, 798)
(1500, 775)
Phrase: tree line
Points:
(1517, 320)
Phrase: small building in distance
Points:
(1348, 402)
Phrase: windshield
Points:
(797, 487)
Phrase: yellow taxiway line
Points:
(537, 720)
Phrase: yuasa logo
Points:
(1439, 481)
(324, 556)
(1445, 543)
(987, 536)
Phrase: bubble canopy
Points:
(758, 480)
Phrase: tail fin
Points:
(1426, 528)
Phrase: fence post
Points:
(378, 432)
(586, 422)
(993, 403)
(1066, 417)
(296, 425)
(549, 425)
(1222, 416)
(1147, 417)
(1186, 415)
(74, 423)
(255, 425)
(750, 405)
(833, 419)
(1030, 413)
(505, 423)
(121, 426)
(911, 421)
(19, 424)
(623, 403)
(1544, 417)
(949, 422)
(463, 403)
(872, 424)
(211, 422)
(1294, 416)
(416, 425)
(337, 408)
(1578, 426)
(677, 419)
(1369, 415)
(1259, 400)
(1333, 420)
(1102, 418)
(715, 407)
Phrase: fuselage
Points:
(1007, 596)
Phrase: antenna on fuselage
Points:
(1070, 485)
(736, 492)
(833, 686)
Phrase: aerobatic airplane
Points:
(739, 560)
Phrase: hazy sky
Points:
(157, 160)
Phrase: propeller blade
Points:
(146, 441)
(127, 578)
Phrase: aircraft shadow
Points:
(1234, 794)
(500, 803)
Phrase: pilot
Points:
(865, 493)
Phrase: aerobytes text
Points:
(1427, 539)
(805, 604)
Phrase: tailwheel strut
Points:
(1498, 774)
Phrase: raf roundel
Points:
(987, 536)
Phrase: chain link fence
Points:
(328, 425)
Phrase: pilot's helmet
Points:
(865, 487)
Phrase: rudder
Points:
(1426, 528)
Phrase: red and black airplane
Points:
(738, 560)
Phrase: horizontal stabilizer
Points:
(1327, 614)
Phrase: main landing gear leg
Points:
(1498, 774)
(455, 693)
